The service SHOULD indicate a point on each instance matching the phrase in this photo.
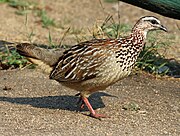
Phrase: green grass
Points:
(131, 106)
(45, 19)
(26, 7)
(150, 59)
(11, 59)
(23, 7)
(115, 30)
(3, 1)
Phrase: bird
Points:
(96, 64)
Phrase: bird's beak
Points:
(163, 28)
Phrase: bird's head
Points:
(149, 23)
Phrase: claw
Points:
(98, 116)
(92, 111)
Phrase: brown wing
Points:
(81, 61)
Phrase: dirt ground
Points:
(31, 104)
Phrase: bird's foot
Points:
(98, 116)
(84, 101)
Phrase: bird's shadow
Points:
(64, 102)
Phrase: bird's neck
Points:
(138, 37)
(139, 32)
(131, 50)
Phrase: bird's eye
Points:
(153, 21)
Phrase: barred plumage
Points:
(94, 65)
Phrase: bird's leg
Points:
(80, 101)
(92, 111)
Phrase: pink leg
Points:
(92, 112)
(82, 103)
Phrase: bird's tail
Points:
(45, 58)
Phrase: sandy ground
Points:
(31, 104)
